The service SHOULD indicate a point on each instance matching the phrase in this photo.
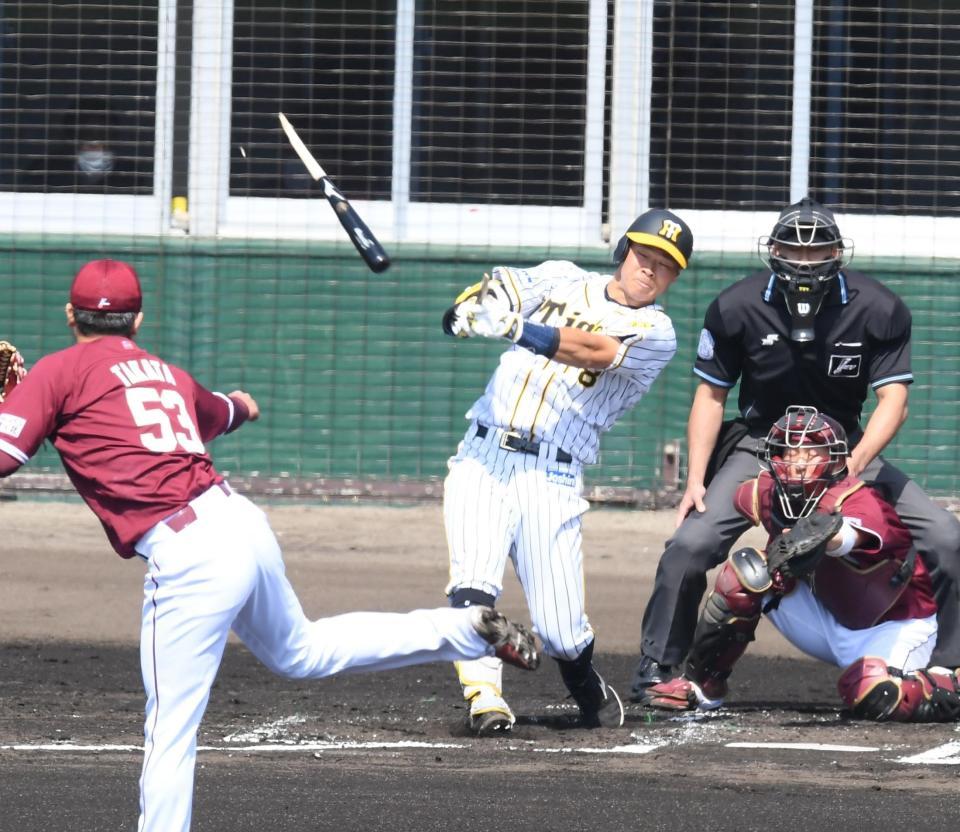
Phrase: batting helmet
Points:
(661, 229)
(805, 453)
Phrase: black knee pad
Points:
(467, 597)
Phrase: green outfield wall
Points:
(356, 380)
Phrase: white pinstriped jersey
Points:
(562, 405)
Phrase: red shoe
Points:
(681, 694)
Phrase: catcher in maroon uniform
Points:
(840, 579)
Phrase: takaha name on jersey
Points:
(141, 370)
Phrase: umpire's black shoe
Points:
(649, 672)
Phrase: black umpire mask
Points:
(804, 283)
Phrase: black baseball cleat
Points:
(513, 643)
(600, 706)
(649, 672)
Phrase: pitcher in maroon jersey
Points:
(131, 431)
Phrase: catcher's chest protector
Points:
(858, 596)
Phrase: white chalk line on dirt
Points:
(804, 746)
(943, 755)
(947, 754)
(319, 748)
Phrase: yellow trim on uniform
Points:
(510, 288)
(621, 353)
(474, 683)
(470, 291)
(658, 242)
(847, 493)
(543, 397)
(756, 501)
(516, 406)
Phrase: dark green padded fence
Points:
(355, 378)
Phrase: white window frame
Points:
(106, 214)
(214, 211)
(737, 232)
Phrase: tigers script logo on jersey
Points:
(845, 366)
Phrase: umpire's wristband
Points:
(539, 338)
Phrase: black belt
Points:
(512, 441)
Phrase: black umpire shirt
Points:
(861, 340)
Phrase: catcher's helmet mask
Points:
(661, 229)
(804, 283)
(800, 485)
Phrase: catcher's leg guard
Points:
(869, 690)
(931, 695)
(872, 690)
(728, 622)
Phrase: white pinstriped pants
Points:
(499, 504)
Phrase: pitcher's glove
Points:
(12, 370)
(796, 552)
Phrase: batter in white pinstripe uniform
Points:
(586, 347)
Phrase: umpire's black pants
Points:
(703, 541)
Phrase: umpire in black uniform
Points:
(804, 331)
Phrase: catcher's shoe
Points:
(490, 715)
(513, 643)
(649, 672)
(600, 706)
(681, 694)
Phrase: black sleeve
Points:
(719, 353)
(890, 354)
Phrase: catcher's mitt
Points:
(796, 552)
(11, 368)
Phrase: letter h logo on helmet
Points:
(660, 229)
(671, 230)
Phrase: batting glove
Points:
(455, 321)
(491, 319)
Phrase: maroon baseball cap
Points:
(106, 286)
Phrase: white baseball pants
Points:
(811, 627)
(498, 504)
(224, 570)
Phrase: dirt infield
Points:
(368, 752)
(59, 578)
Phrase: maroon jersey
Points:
(850, 584)
(129, 428)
